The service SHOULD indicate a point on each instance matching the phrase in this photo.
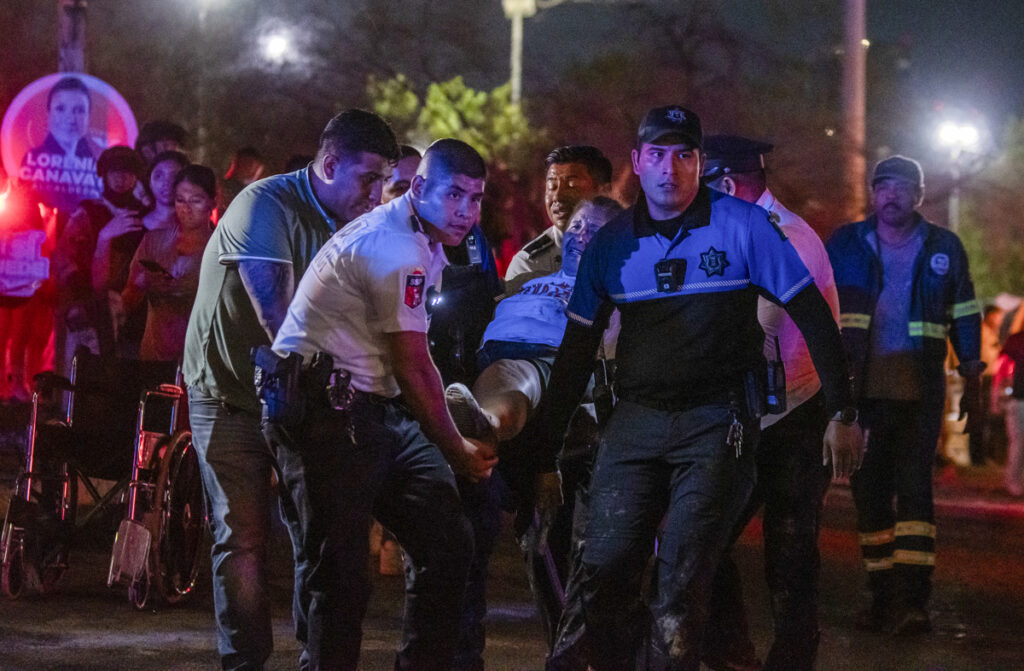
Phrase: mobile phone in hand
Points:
(154, 267)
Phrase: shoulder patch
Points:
(940, 263)
(414, 284)
(538, 246)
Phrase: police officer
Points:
(389, 451)
(791, 481)
(684, 266)
(904, 287)
(249, 272)
(574, 173)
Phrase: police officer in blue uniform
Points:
(684, 266)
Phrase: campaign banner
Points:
(54, 131)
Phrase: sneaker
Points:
(469, 418)
(911, 621)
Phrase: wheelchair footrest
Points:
(130, 556)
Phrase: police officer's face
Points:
(566, 185)
(352, 183)
(398, 180)
(669, 176)
(68, 116)
(894, 201)
(449, 205)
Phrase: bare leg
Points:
(508, 391)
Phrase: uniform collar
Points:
(766, 201)
(696, 214)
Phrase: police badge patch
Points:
(940, 264)
(414, 284)
(713, 262)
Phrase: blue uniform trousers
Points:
(655, 464)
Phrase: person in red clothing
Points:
(1008, 391)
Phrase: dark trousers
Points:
(898, 545)
(482, 505)
(651, 465)
(791, 484)
(335, 485)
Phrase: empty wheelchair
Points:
(114, 420)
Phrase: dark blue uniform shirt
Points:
(692, 344)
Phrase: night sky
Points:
(965, 54)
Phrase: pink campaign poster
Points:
(54, 131)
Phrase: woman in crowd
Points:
(165, 270)
(116, 246)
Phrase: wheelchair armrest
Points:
(47, 382)
(169, 391)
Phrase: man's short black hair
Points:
(408, 151)
(354, 131)
(68, 84)
(598, 165)
(455, 157)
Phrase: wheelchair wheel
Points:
(180, 506)
(12, 553)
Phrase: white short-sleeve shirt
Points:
(801, 379)
(371, 278)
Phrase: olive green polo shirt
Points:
(277, 219)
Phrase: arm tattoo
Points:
(270, 286)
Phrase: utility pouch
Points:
(278, 386)
(754, 393)
(775, 402)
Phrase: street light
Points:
(276, 47)
(960, 140)
(516, 11)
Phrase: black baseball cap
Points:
(725, 154)
(901, 168)
(670, 125)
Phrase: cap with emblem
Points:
(670, 125)
(901, 168)
(726, 154)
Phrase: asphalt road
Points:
(976, 609)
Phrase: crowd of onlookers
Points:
(123, 267)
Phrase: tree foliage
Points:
(992, 228)
(486, 120)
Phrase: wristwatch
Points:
(847, 416)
